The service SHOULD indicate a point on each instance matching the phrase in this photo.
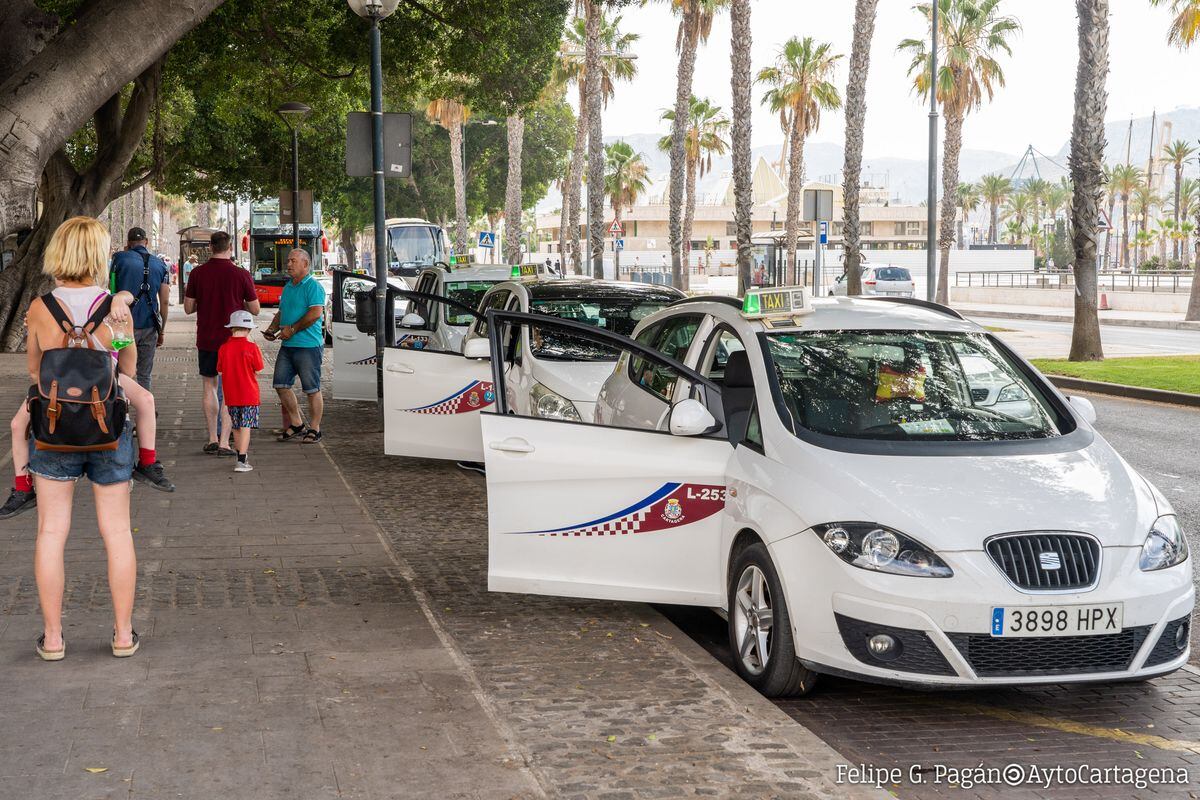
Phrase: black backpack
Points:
(77, 405)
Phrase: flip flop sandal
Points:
(292, 433)
(50, 655)
(311, 437)
(125, 652)
(226, 451)
(211, 447)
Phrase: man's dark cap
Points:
(136, 235)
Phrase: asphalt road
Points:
(1136, 725)
(1040, 339)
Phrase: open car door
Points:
(432, 398)
(585, 510)
(353, 351)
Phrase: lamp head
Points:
(293, 113)
(373, 9)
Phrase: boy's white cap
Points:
(241, 319)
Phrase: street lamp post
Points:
(931, 201)
(376, 10)
(292, 114)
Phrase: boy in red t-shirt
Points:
(238, 362)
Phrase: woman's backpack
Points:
(77, 405)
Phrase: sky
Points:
(1035, 107)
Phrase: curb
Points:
(1131, 392)
(1124, 322)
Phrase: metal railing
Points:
(1166, 282)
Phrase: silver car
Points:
(882, 279)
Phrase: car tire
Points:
(782, 674)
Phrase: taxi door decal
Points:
(411, 341)
(669, 506)
(474, 396)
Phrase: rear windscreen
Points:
(892, 274)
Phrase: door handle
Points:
(512, 444)
(401, 368)
(346, 338)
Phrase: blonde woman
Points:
(76, 258)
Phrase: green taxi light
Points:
(515, 274)
(751, 305)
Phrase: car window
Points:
(716, 353)
(672, 338)
(908, 385)
(619, 314)
(469, 293)
(351, 287)
(754, 431)
(495, 301)
(892, 274)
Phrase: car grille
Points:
(979, 395)
(918, 653)
(1165, 649)
(1029, 559)
(998, 657)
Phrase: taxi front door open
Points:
(584, 510)
(353, 351)
(432, 398)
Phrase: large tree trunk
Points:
(689, 220)
(575, 187)
(460, 186)
(856, 111)
(794, 201)
(739, 61)
(512, 190)
(54, 93)
(348, 247)
(683, 93)
(595, 172)
(1087, 172)
(954, 123)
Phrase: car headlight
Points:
(880, 549)
(551, 405)
(1012, 393)
(1165, 545)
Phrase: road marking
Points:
(1070, 726)
(1169, 475)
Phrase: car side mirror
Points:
(477, 348)
(1084, 408)
(412, 320)
(690, 418)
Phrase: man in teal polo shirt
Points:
(298, 325)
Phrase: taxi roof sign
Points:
(524, 272)
(787, 302)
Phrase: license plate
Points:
(1026, 621)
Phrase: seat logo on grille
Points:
(1050, 561)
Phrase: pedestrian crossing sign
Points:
(487, 238)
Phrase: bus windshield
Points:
(413, 247)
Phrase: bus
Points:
(268, 243)
(193, 241)
(413, 245)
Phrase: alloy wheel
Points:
(753, 619)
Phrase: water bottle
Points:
(122, 337)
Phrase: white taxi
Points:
(433, 397)
(823, 473)
(442, 326)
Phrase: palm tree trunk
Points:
(1125, 232)
(460, 186)
(994, 222)
(575, 185)
(739, 59)
(1112, 205)
(1087, 172)
(856, 111)
(954, 122)
(1178, 184)
(595, 173)
(795, 187)
(513, 206)
(689, 219)
(683, 94)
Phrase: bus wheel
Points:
(760, 629)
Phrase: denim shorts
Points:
(102, 467)
(299, 362)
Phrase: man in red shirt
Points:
(216, 289)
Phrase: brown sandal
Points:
(125, 652)
(50, 655)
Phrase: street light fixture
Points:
(375, 10)
(293, 114)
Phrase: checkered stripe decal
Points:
(671, 505)
(474, 396)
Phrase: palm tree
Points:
(1019, 208)
(1036, 188)
(625, 181)
(704, 137)
(1014, 231)
(856, 111)
(972, 34)
(1177, 153)
(967, 196)
(452, 115)
(1186, 229)
(995, 191)
(695, 24)
(740, 86)
(1142, 203)
(1125, 178)
(1185, 28)
(617, 63)
(1189, 202)
(1110, 199)
(800, 87)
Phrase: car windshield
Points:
(469, 294)
(908, 385)
(617, 314)
(892, 274)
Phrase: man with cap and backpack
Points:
(145, 277)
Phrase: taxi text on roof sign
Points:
(761, 303)
(524, 272)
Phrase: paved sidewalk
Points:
(1132, 319)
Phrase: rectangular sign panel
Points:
(397, 145)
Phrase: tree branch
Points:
(420, 7)
(112, 162)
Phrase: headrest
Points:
(737, 371)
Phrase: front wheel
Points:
(760, 629)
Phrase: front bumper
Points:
(943, 623)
